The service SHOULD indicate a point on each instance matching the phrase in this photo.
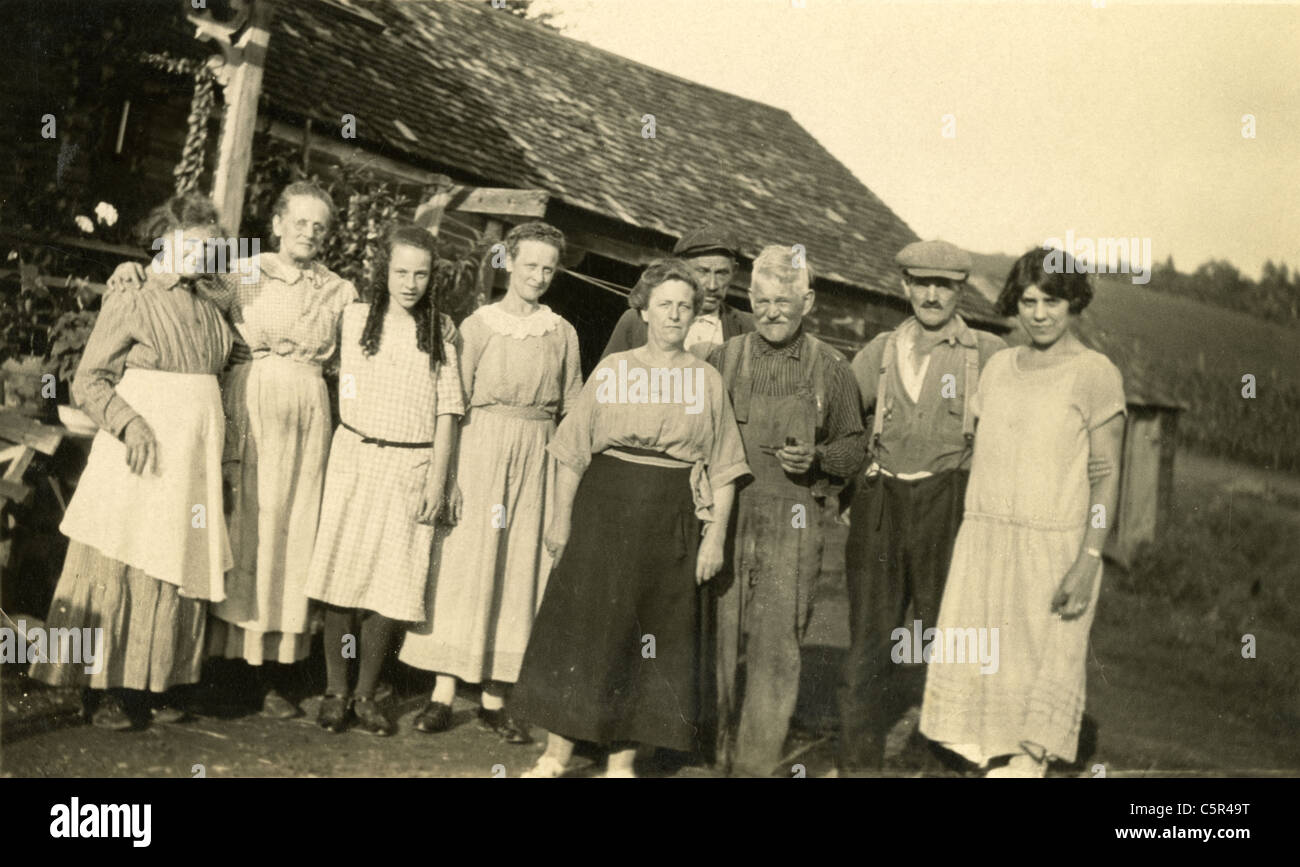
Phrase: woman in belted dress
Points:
(612, 656)
(148, 547)
(400, 399)
(521, 371)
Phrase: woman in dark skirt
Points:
(649, 451)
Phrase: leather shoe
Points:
(333, 716)
(502, 724)
(435, 717)
(370, 719)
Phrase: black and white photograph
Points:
(801, 389)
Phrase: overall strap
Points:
(814, 370)
(972, 382)
(887, 359)
(735, 367)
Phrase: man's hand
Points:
(127, 277)
(141, 447)
(1075, 593)
(796, 459)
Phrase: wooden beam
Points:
(20, 464)
(14, 491)
(346, 153)
(18, 428)
(242, 80)
(503, 202)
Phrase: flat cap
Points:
(934, 259)
(706, 240)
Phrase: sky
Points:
(999, 125)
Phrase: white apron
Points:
(169, 524)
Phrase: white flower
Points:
(84, 224)
(106, 213)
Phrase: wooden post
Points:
(492, 233)
(239, 72)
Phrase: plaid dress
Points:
(370, 552)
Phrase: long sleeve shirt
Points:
(165, 326)
(841, 441)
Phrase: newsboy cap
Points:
(706, 240)
(934, 259)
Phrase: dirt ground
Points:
(1154, 708)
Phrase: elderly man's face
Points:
(934, 299)
(714, 273)
(778, 310)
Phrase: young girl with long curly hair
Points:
(400, 401)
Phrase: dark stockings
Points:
(377, 636)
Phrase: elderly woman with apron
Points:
(286, 309)
(648, 452)
(148, 547)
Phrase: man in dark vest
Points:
(799, 414)
(917, 381)
(711, 252)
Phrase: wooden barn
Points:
(622, 157)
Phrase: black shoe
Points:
(111, 714)
(435, 717)
(334, 713)
(370, 719)
(500, 723)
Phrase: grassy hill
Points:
(1178, 349)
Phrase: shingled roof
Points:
(460, 85)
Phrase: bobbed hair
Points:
(659, 272)
(1057, 279)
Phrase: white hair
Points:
(778, 264)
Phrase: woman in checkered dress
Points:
(400, 401)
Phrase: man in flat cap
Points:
(797, 406)
(917, 381)
(711, 252)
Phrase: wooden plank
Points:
(14, 491)
(20, 465)
(97, 288)
(504, 202)
(351, 154)
(10, 452)
(20, 429)
(241, 94)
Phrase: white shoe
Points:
(547, 768)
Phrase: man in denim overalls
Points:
(797, 406)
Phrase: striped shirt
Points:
(163, 326)
(841, 440)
